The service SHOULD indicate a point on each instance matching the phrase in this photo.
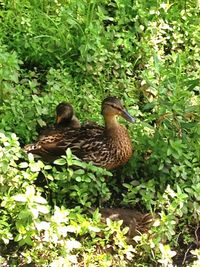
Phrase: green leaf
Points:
(35, 212)
(43, 209)
(23, 165)
(20, 198)
(78, 179)
(40, 200)
(35, 166)
(60, 161)
(68, 153)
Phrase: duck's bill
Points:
(58, 119)
(127, 116)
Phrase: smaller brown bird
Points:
(65, 118)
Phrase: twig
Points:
(184, 259)
(197, 242)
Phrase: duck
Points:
(108, 147)
(137, 221)
(65, 118)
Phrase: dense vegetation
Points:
(147, 54)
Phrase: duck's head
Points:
(64, 113)
(112, 107)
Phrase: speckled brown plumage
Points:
(108, 146)
(137, 221)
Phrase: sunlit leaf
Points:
(20, 198)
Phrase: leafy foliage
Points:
(145, 52)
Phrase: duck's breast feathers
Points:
(104, 149)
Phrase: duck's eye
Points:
(116, 107)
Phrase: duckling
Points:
(65, 118)
(108, 147)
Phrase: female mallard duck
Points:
(108, 147)
(65, 118)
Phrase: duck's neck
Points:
(70, 122)
(111, 123)
(117, 133)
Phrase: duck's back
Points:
(106, 149)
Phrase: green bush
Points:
(9, 73)
(28, 219)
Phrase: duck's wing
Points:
(88, 144)
(55, 141)
(93, 146)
